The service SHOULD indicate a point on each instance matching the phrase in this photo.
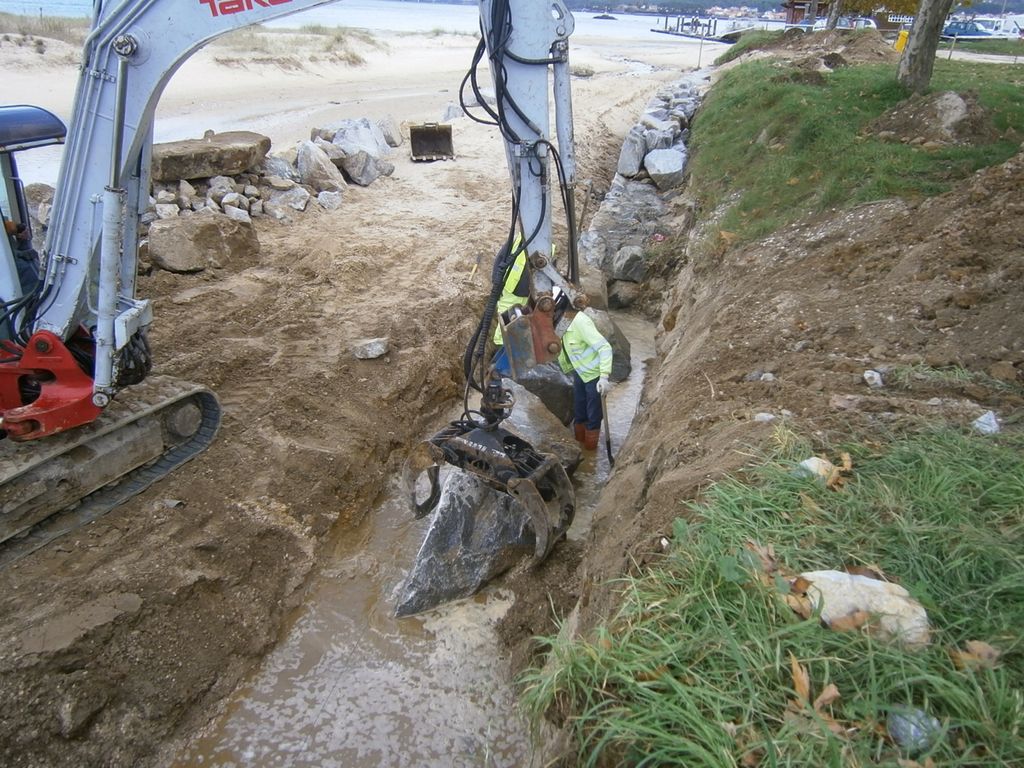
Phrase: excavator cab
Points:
(22, 127)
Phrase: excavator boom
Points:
(76, 341)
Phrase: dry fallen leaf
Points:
(647, 676)
(839, 475)
(976, 655)
(727, 237)
(800, 604)
(801, 680)
(826, 697)
(766, 555)
(809, 505)
(850, 622)
(792, 181)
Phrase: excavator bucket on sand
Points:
(501, 500)
(431, 141)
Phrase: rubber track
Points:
(99, 502)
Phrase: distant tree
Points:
(914, 70)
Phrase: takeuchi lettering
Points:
(225, 7)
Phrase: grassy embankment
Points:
(789, 149)
(706, 664)
(991, 47)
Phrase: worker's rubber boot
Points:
(591, 438)
(580, 430)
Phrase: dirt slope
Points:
(882, 286)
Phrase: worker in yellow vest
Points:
(588, 356)
(514, 292)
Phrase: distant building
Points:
(805, 11)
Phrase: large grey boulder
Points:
(476, 533)
(329, 201)
(363, 169)
(191, 244)
(227, 153)
(659, 139)
(629, 214)
(392, 131)
(630, 264)
(621, 364)
(316, 169)
(623, 294)
(333, 151)
(665, 167)
(296, 197)
(359, 135)
(552, 387)
(632, 153)
(281, 167)
(219, 187)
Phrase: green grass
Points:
(695, 668)
(778, 149)
(953, 377)
(748, 41)
(992, 47)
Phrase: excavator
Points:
(83, 424)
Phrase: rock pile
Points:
(650, 169)
(207, 191)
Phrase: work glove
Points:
(603, 386)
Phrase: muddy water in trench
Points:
(352, 686)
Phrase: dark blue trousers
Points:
(586, 402)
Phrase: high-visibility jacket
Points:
(516, 289)
(585, 350)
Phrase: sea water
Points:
(392, 15)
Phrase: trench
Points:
(350, 685)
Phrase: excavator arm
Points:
(525, 44)
(79, 338)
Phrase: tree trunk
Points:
(812, 11)
(915, 68)
(834, 9)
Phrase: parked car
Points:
(845, 22)
(965, 30)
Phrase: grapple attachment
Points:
(505, 462)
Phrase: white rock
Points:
(296, 197)
(237, 214)
(665, 167)
(987, 423)
(369, 349)
(391, 129)
(873, 379)
(764, 417)
(329, 201)
(167, 210)
(236, 200)
(815, 467)
(899, 617)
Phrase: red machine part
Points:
(65, 391)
